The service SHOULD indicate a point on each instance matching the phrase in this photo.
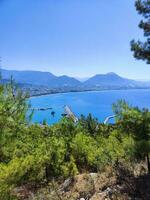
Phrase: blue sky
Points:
(79, 38)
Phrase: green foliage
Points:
(32, 153)
(142, 49)
(89, 124)
(135, 122)
(84, 149)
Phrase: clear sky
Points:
(74, 37)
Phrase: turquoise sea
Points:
(99, 103)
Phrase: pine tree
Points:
(135, 122)
(142, 49)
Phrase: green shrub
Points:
(32, 153)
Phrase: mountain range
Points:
(49, 80)
(39, 78)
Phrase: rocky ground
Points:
(109, 185)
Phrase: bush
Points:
(30, 153)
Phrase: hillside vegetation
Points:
(35, 160)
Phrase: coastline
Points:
(90, 90)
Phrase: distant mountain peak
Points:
(107, 74)
(112, 73)
(110, 79)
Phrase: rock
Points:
(66, 184)
(109, 191)
(94, 176)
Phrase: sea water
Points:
(98, 103)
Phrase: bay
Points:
(98, 103)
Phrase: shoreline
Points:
(65, 92)
(98, 90)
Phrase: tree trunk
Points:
(148, 163)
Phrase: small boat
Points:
(41, 109)
(63, 115)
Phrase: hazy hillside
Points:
(30, 77)
(110, 79)
(66, 81)
(40, 78)
(49, 80)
